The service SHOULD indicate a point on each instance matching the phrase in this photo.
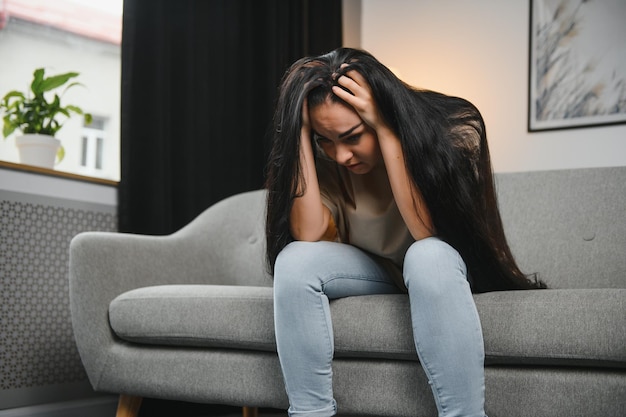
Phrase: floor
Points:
(160, 408)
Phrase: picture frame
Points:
(577, 64)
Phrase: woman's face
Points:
(344, 137)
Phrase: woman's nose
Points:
(343, 154)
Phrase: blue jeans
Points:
(446, 326)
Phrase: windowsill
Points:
(54, 173)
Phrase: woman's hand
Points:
(362, 101)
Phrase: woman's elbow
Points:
(306, 234)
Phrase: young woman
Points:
(376, 187)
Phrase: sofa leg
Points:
(128, 406)
(250, 412)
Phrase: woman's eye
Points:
(353, 138)
(322, 141)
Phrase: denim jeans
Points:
(446, 326)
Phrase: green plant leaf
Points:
(10, 123)
(56, 81)
(60, 154)
(35, 86)
(75, 109)
(70, 86)
(11, 94)
(8, 128)
(64, 112)
(55, 103)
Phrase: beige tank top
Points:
(365, 212)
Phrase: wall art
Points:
(577, 71)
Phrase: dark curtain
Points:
(199, 82)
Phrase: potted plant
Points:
(38, 118)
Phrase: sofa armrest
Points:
(223, 245)
(105, 265)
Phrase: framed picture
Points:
(577, 71)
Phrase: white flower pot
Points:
(38, 150)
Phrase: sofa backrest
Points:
(569, 226)
(230, 236)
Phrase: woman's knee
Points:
(296, 263)
(433, 263)
(296, 256)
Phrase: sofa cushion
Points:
(196, 315)
(560, 327)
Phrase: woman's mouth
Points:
(353, 166)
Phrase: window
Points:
(61, 36)
(92, 147)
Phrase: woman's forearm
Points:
(407, 196)
(309, 218)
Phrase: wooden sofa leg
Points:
(128, 406)
(250, 412)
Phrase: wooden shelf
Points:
(55, 173)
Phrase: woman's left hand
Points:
(362, 101)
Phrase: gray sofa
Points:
(189, 316)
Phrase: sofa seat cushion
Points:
(560, 327)
(196, 315)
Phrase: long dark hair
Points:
(445, 147)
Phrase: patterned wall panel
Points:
(37, 345)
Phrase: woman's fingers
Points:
(357, 78)
(357, 86)
(361, 98)
(348, 82)
(343, 94)
(358, 92)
